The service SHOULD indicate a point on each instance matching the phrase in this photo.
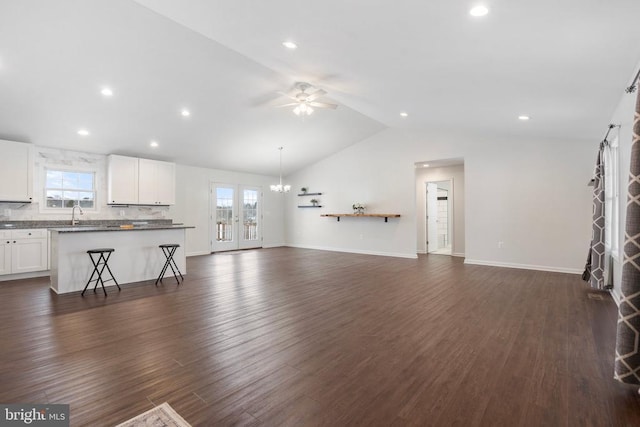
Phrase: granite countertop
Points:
(94, 228)
(93, 225)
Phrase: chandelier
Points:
(279, 188)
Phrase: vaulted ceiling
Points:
(565, 64)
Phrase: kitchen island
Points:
(136, 258)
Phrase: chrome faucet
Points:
(75, 221)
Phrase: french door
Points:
(236, 217)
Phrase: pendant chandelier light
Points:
(279, 188)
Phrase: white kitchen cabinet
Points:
(133, 181)
(122, 179)
(23, 251)
(5, 252)
(15, 172)
(156, 182)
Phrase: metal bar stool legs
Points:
(169, 250)
(99, 265)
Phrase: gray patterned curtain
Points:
(594, 270)
(627, 366)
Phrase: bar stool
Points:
(99, 264)
(168, 250)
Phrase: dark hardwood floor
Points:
(300, 337)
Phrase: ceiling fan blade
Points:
(291, 104)
(323, 105)
(288, 95)
(315, 95)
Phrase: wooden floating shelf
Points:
(309, 206)
(310, 194)
(385, 216)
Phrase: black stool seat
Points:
(168, 249)
(99, 264)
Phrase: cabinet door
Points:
(28, 255)
(166, 183)
(122, 180)
(5, 256)
(156, 182)
(147, 182)
(15, 171)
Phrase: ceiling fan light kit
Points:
(304, 102)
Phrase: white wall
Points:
(456, 174)
(192, 205)
(529, 194)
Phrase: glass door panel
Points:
(250, 236)
(224, 218)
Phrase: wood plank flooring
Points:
(298, 337)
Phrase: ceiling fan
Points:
(305, 101)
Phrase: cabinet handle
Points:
(29, 234)
(14, 241)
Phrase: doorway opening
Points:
(439, 219)
(440, 207)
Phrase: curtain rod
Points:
(611, 126)
(632, 88)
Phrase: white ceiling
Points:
(563, 63)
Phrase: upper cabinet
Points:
(133, 181)
(122, 176)
(157, 182)
(15, 172)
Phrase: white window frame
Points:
(47, 209)
(612, 198)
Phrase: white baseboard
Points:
(458, 254)
(421, 251)
(199, 253)
(274, 245)
(19, 276)
(356, 251)
(523, 266)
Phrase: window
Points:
(612, 198)
(64, 189)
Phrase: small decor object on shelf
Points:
(314, 202)
(358, 208)
(303, 190)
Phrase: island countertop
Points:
(94, 228)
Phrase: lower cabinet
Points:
(23, 251)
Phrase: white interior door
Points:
(432, 217)
(236, 217)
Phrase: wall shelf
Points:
(310, 194)
(309, 206)
(385, 216)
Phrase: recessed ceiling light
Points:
(404, 114)
(106, 91)
(289, 45)
(524, 118)
(153, 144)
(479, 11)
(185, 113)
(426, 165)
(83, 132)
